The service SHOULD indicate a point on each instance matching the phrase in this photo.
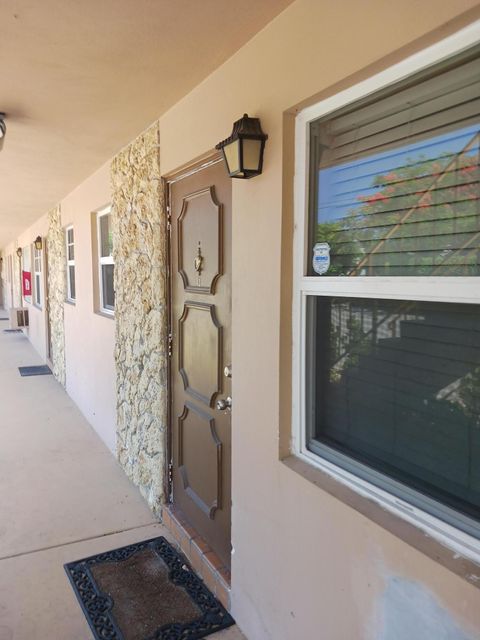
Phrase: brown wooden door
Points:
(200, 249)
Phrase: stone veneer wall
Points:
(140, 254)
(56, 291)
(16, 266)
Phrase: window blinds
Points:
(397, 178)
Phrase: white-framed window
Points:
(37, 276)
(386, 313)
(70, 254)
(105, 261)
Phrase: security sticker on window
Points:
(321, 258)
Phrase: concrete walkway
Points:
(62, 497)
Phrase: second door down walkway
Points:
(62, 497)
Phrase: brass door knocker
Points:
(199, 262)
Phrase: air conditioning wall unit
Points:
(18, 318)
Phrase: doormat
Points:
(12, 331)
(145, 591)
(39, 370)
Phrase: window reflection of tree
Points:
(440, 235)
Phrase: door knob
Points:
(224, 404)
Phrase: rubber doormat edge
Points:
(38, 370)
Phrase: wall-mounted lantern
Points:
(243, 150)
(38, 243)
(3, 129)
(19, 252)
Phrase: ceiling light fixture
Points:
(3, 129)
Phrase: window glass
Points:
(38, 290)
(70, 242)
(71, 273)
(390, 387)
(106, 239)
(396, 385)
(106, 263)
(37, 267)
(107, 286)
(396, 180)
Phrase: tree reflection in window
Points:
(412, 210)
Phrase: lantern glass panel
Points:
(232, 156)
(251, 154)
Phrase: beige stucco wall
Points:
(305, 565)
(36, 331)
(89, 336)
(9, 278)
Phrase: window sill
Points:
(413, 535)
(70, 302)
(105, 314)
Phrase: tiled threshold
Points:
(203, 560)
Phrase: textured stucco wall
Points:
(89, 336)
(56, 291)
(140, 313)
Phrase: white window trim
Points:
(102, 261)
(453, 289)
(70, 263)
(37, 290)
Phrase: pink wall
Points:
(36, 332)
(89, 336)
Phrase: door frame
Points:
(212, 158)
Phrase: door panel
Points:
(202, 382)
(200, 250)
(200, 233)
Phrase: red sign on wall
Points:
(26, 283)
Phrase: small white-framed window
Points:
(70, 255)
(386, 369)
(105, 261)
(37, 277)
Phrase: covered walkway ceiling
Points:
(80, 78)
